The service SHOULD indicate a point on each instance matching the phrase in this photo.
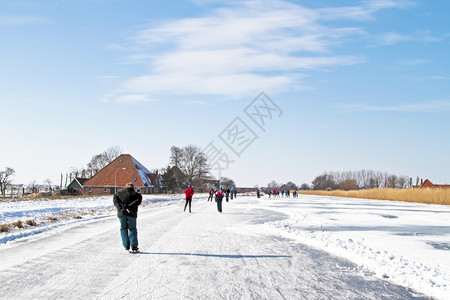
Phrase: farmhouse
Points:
(75, 187)
(118, 173)
(427, 184)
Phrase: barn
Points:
(427, 184)
(114, 177)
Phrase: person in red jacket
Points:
(219, 197)
(189, 192)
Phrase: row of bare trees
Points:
(363, 179)
(97, 162)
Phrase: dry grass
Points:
(428, 196)
(4, 228)
(18, 224)
(52, 219)
(30, 222)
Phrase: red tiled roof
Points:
(119, 172)
(428, 184)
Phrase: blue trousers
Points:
(128, 231)
(219, 205)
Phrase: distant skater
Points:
(189, 192)
(127, 202)
(227, 194)
(219, 198)
(211, 194)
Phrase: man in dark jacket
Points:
(127, 202)
(189, 192)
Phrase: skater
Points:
(227, 194)
(219, 198)
(235, 193)
(211, 194)
(232, 192)
(127, 202)
(189, 192)
(258, 194)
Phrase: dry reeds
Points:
(18, 224)
(30, 222)
(428, 196)
(4, 228)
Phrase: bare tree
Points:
(176, 156)
(227, 183)
(96, 164)
(192, 162)
(379, 179)
(305, 186)
(99, 161)
(403, 182)
(291, 186)
(112, 153)
(33, 187)
(273, 185)
(6, 179)
(391, 181)
(324, 182)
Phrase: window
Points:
(105, 190)
(138, 190)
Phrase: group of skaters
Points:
(228, 193)
(218, 195)
(281, 194)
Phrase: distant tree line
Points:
(363, 179)
(289, 186)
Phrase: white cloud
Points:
(391, 38)
(364, 11)
(127, 98)
(240, 50)
(421, 107)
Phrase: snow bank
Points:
(59, 214)
(407, 244)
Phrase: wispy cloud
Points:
(128, 98)
(19, 20)
(391, 38)
(240, 50)
(432, 106)
(363, 11)
(414, 62)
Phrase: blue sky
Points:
(357, 85)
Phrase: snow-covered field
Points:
(388, 243)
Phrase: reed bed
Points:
(428, 196)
